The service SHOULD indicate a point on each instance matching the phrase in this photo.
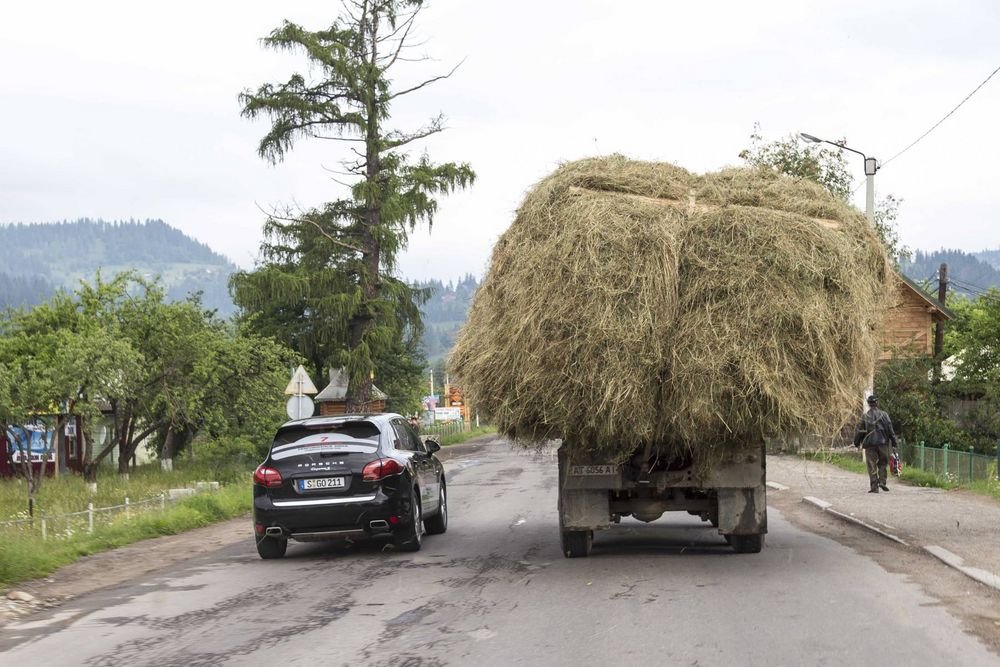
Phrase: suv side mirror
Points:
(432, 445)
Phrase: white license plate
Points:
(585, 471)
(321, 483)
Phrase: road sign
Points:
(301, 384)
(300, 407)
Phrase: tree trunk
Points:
(89, 466)
(167, 452)
(124, 439)
(360, 380)
(91, 462)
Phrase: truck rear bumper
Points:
(740, 475)
(733, 496)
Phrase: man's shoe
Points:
(883, 487)
(874, 489)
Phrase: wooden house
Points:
(67, 452)
(333, 399)
(908, 329)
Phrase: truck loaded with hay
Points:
(661, 324)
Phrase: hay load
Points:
(635, 303)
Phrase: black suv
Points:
(350, 476)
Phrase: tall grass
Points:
(68, 493)
(846, 461)
(24, 555)
(910, 474)
(458, 438)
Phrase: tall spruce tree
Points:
(326, 281)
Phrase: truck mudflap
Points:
(743, 511)
(585, 510)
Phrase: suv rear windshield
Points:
(355, 432)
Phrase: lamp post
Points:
(871, 166)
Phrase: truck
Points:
(595, 496)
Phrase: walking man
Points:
(875, 434)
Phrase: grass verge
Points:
(24, 555)
(459, 438)
(69, 493)
(910, 475)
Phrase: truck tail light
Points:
(379, 469)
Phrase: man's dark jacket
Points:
(874, 429)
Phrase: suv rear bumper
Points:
(329, 518)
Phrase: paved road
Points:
(496, 591)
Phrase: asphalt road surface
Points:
(495, 590)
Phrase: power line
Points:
(965, 282)
(946, 116)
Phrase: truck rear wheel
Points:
(576, 543)
(746, 544)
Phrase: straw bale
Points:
(634, 303)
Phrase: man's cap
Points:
(872, 400)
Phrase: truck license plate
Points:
(322, 483)
(585, 471)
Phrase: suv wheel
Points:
(408, 537)
(438, 523)
(270, 547)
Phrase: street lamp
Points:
(871, 166)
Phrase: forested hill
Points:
(42, 257)
(444, 314)
(968, 273)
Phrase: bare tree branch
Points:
(315, 224)
(402, 41)
(402, 26)
(425, 83)
(354, 139)
(337, 180)
(419, 134)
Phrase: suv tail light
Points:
(267, 476)
(379, 469)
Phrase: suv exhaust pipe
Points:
(273, 531)
(379, 524)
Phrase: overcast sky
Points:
(114, 109)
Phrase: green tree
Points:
(905, 391)
(117, 352)
(827, 166)
(326, 284)
(971, 341)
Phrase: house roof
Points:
(938, 309)
(337, 389)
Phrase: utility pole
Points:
(939, 325)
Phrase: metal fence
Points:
(445, 428)
(62, 526)
(953, 465)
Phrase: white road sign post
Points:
(300, 406)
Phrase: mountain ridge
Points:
(63, 253)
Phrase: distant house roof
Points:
(938, 309)
(337, 389)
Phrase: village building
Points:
(333, 399)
